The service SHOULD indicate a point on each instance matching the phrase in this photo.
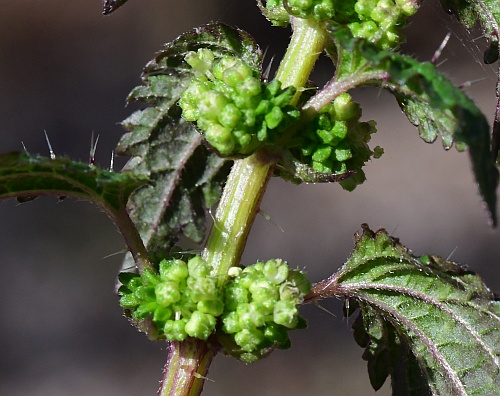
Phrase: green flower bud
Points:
(285, 313)
(174, 270)
(198, 268)
(231, 323)
(200, 325)
(167, 293)
(252, 315)
(175, 330)
(220, 138)
(235, 294)
(229, 116)
(202, 289)
(249, 339)
(345, 108)
(263, 290)
(213, 307)
(275, 271)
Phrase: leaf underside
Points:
(431, 324)
(187, 178)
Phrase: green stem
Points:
(188, 361)
(186, 368)
(236, 213)
(307, 43)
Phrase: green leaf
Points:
(187, 177)
(430, 101)
(431, 324)
(433, 104)
(25, 178)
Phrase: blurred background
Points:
(65, 69)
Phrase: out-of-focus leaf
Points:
(108, 6)
(486, 13)
(431, 324)
(25, 178)
(430, 101)
(187, 177)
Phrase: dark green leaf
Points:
(429, 323)
(26, 178)
(430, 101)
(187, 177)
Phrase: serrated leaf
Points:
(26, 178)
(430, 101)
(486, 13)
(187, 177)
(435, 310)
(108, 6)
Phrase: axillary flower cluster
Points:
(379, 21)
(238, 113)
(250, 315)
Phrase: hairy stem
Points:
(188, 361)
(186, 368)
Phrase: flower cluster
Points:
(379, 21)
(254, 310)
(233, 108)
(335, 141)
(181, 300)
(261, 307)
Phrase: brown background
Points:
(66, 69)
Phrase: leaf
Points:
(108, 6)
(187, 177)
(25, 178)
(430, 101)
(484, 12)
(431, 324)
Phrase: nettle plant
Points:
(216, 127)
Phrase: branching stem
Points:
(236, 213)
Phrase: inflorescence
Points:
(379, 21)
(237, 114)
(252, 313)
(236, 111)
